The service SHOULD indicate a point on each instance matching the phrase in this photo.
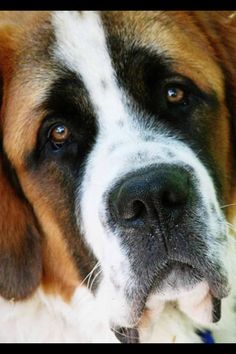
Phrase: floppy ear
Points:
(20, 243)
(225, 29)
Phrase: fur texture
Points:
(71, 270)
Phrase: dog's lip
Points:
(177, 274)
(217, 281)
(126, 334)
(217, 285)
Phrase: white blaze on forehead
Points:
(81, 46)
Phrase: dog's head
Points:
(117, 148)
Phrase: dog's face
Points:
(117, 131)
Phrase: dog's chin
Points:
(187, 288)
(176, 279)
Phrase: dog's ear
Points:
(224, 41)
(20, 241)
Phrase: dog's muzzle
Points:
(160, 218)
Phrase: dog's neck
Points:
(47, 318)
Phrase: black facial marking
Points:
(68, 104)
(61, 170)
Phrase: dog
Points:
(117, 176)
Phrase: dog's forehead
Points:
(178, 35)
(172, 34)
(80, 41)
(81, 46)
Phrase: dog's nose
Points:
(147, 194)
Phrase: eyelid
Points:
(177, 84)
(185, 84)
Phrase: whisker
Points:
(227, 205)
(230, 226)
(90, 273)
(98, 273)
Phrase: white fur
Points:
(82, 38)
(47, 318)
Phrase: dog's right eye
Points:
(58, 135)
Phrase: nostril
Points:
(127, 209)
(136, 210)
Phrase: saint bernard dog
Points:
(117, 176)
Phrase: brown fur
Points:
(20, 244)
(27, 258)
(205, 51)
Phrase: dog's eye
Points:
(58, 135)
(176, 95)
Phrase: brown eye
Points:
(59, 134)
(175, 95)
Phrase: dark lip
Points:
(218, 285)
(126, 335)
(217, 281)
(131, 335)
(184, 275)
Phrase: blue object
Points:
(206, 336)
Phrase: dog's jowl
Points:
(117, 176)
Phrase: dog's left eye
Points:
(176, 95)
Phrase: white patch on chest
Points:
(48, 319)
